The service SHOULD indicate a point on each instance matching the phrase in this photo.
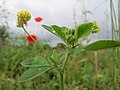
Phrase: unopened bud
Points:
(96, 28)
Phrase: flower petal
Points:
(29, 39)
(25, 23)
(38, 19)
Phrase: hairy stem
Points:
(28, 33)
(62, 74)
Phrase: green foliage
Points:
(83, 30)
(10, 69)
(76, 50)
(50, 29)
(71, 36)
(37, 61)
(102, 44)
(79, 72)
(59, 32)
(32, 73)
(55, 56)
(38, 66)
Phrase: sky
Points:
(59, 12)
(52, 11)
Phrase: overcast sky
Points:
(60, 12)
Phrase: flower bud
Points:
(22, 17)
(96, 28)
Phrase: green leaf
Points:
(54, 56)
(32, 73)
(79, 49)
(83, 30)
(50, 29)
(102, 44)
(59, 32)
(37, 61)
(61, 56)
(76, 50)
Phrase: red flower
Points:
(29, 39)
(38, 19)
(25, 23)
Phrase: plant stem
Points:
(65, 61)
(113, 74)
(115, 36)
(62, 74)
(119, 37)
(96, 70)
(61, 81)
(28, 33)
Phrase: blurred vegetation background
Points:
(86, 70)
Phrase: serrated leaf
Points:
(102, 44)
(37, 61)
(50, 29)
(32, 73)
(83, 30)
(59, 32)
